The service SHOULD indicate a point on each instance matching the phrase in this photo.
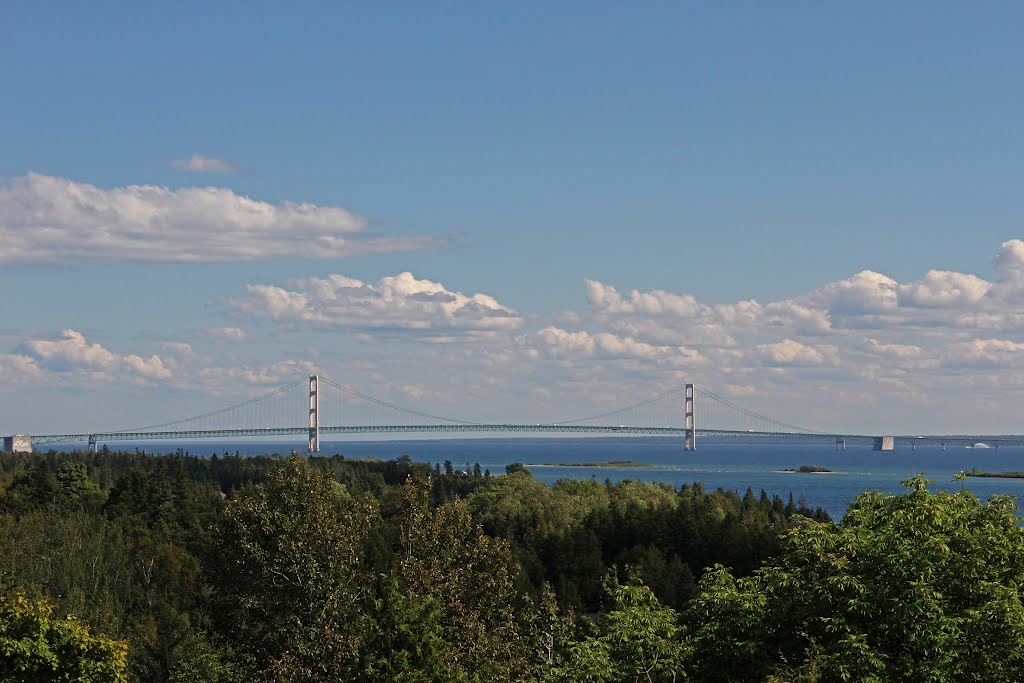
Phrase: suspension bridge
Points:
(315, 406)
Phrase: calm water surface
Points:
(730, 465)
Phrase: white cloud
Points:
(70, 351)
(985, 353)
(904, 351)
(152, 367)
(400, 302)
(789, 352)
(742, 313)
(1009, 260)
(798, 316)
(16, 367)
(653, 302)
(863, 352)
(944, 289)
(274, 374)
(44, 219)
(200, 163)
(562, 343)
(865, 292)
(182, 349)
(227, 335)
(866, 322)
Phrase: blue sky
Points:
(195, 175)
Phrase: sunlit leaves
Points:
(38, 647)
(638, 640)
(922, 586)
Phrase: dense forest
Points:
(179, 568)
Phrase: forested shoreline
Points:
(235, 568)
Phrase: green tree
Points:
(36, 647)
(517, 468)
(404, 639)
(470, 576)
(638, 640)
(922, 586)
(292, 581)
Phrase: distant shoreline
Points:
(606, 463)
(996, 475)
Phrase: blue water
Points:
(728, 465)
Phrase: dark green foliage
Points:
(569, 534)
(230, 568)
(516, 468)
(447, 559)
(291, 583)
(404, 639)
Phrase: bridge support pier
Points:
(840, 443)
(92, 443)
(314, 414)
(19, 443)
(689, 421)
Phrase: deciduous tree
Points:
(918, 587)
(37, 647)
(293, 583)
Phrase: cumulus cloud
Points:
(271, 375)
(893, 350)
(182, 349)
(399, 302)
(563, 343)
(16, 367)
(789, 352)
(985, 353)
(654, 302)
(865, 305)
(1009, 260)
(560, 341)
(868, 334)
(152, 367)
(797, 316)
(72, 352)
(943, 288)
(865, 292)
(76, 359)
(44, 219)
(200, 163)
(227, 335)
(864, 347)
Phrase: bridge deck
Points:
(858, 439)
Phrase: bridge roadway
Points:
(796, 437)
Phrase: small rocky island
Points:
(807, 469)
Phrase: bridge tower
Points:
(314, 414)
(689, 423)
